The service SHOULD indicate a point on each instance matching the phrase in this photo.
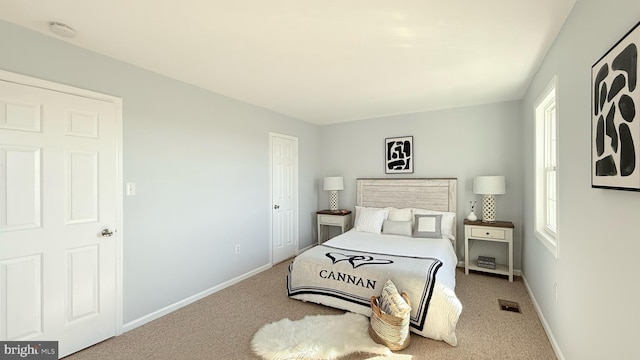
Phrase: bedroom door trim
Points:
(20, 79)
(283, 236)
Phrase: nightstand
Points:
(340, 218)
(499, 231)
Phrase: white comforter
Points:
(444, 307)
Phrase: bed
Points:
(404, 231)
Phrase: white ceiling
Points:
(323, 61)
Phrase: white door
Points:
(284, 195)
(58, 192)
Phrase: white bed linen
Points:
(444, 308)
(440, 249)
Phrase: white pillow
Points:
(399, 214)
(392, 227)
(448, 220)
(369, 219)
(391, 302)
(442, 317)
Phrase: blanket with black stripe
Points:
(347, 279)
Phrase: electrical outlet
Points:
(555, 291)
(237, 248)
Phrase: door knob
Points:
(276, 206)
(106, 233)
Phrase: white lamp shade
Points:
(489, 185)
(332, 183)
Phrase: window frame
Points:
(546, 155)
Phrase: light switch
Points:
(131, 189)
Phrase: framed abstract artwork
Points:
(398, 155)
(615, 126)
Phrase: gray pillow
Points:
(427, 226)
(392, 227)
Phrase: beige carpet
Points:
(222, 325)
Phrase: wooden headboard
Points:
(431, 194)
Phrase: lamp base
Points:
(489, 209)
(333, 200)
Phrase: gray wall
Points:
(596, 314)
(460, 143)
(201, 165)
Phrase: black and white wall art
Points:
(615, 126)
(398, 155)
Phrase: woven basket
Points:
(389, 330)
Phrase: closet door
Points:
(58, 212)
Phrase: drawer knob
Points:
(487, 233)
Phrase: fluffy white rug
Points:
(316, 337)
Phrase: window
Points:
(546, 168)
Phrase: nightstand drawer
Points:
(488, 233)
(330, 219)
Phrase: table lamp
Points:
(488, 186)
(333, 184)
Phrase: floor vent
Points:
(509, 306)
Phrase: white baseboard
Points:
(182, 303)
(517, 272)
(545, 325)
(305, 249)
